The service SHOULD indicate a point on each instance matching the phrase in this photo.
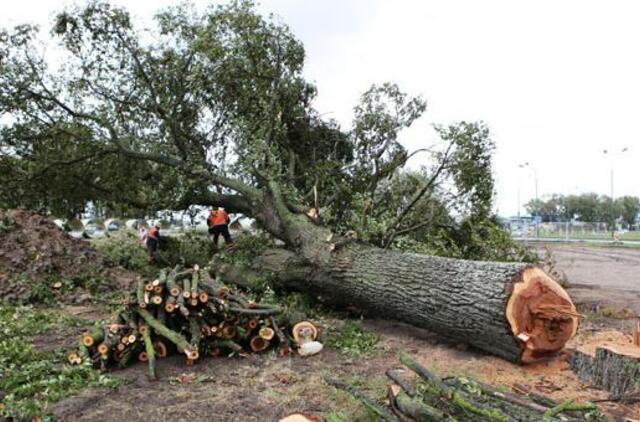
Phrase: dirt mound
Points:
(41, 263)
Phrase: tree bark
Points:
(612, 367)
(511, 310)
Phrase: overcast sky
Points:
(556, 81)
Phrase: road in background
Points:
(600, 275)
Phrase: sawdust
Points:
(613, 340)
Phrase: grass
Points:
(32, 380)
(588, 235)
(608, 312)
(346, 408)
(584, 243)
(353, 340)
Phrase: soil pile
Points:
(41, 263)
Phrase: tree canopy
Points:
(214, 109)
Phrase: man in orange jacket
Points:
(153, 237)
(218, 223)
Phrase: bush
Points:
(124, 248)
(189, 249)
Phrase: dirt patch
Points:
(600, 277)
(66, 338)
(265, 387)
(38, 259)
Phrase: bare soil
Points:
(34, 250)
(601, 277)
(266, 387)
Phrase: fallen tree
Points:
(512, 310)
(215, 111)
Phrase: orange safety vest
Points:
(218, 218)
(153, 233)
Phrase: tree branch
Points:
(392, 232)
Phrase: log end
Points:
(541, 315)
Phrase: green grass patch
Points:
(608, 312)
(31, 380)
(346, 408)
(353, 340)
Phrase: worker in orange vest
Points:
(152, 242)
(218, 223)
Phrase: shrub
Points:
(124, 248)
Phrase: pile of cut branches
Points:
(430, 398)
(186, 312)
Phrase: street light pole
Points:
(612, 154)
(535, 181)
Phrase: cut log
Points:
(160, 349)
(258, 344)
(94, 337)
(194, 284)
(512, 310)
(162, 330)
(151, 355)
(140, 294)
(612, 367)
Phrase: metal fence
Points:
(570, 230)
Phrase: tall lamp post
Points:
(613, 154)
(528, 165)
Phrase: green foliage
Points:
(469, 166)
(188, 249)
(34, 380)
(481, 239)
(6, 223)
(148, 122)
(125, 249)
(353, 340)
(246, 247)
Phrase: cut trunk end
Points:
(541, 315)
(160, 348)
(258, 344)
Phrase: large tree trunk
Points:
(515, 311)
(511, 310)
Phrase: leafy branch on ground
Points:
(31, 380)
(353, 340)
